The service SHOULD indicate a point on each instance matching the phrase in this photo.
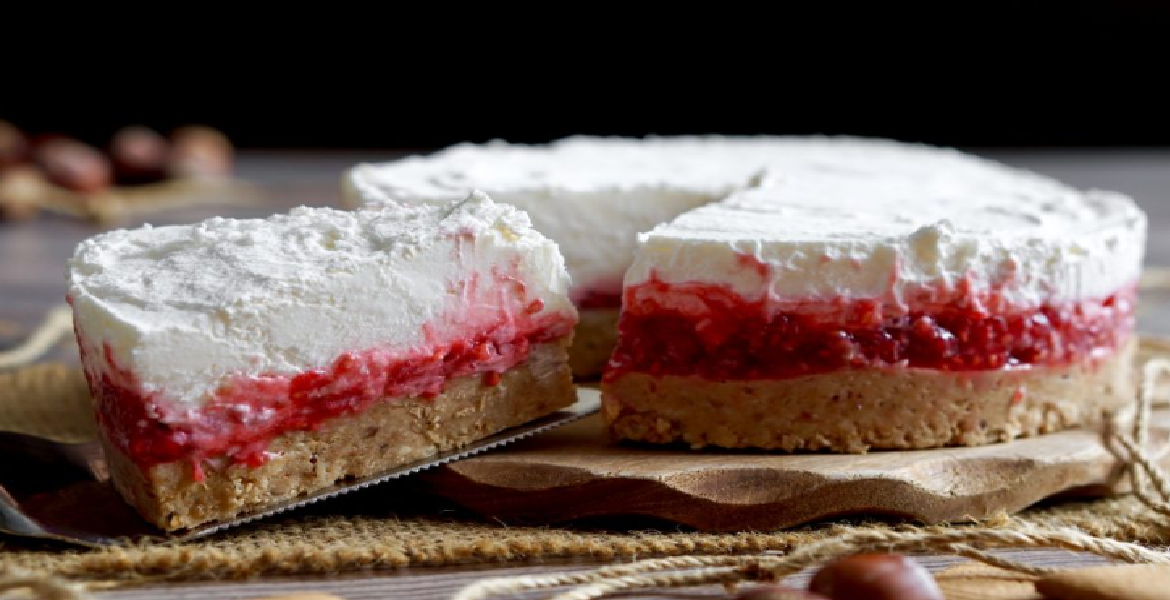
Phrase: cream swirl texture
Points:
(926, 226)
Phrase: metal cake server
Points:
(61, 491)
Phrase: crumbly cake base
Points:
(855, 410)
(593, 342)
(393, 432)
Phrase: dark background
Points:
(968, 74)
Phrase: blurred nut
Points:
(875, 577)
(21, 190)
(777, 592)
(73, 165)
(139, 154)
(200, 152)
(23, 183)
(13, 145)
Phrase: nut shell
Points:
(139, 155)
(875, 577)
(73, 165)
(201, 153)
(22, 188)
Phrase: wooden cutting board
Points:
(577, 472)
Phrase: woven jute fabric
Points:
(387, 531)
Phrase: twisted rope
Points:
(58, 323)
(485, 588)
(46, 588)
(701, 576)
(1150, 484)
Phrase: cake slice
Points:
(906, 298)
(238, 363)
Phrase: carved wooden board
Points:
(577, 472)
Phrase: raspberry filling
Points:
(244, 415)
(599, 299)
(599, 295)
(709, 331)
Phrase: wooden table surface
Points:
(32, 266)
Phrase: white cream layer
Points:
(835, 216)
(591, 195)
(183, 307)
(914, 228)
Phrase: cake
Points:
(591, 195)
(878, 295)
(240, 363)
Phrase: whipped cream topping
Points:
(594, 195)
(186, 307)
(905, 227)
(832, 217)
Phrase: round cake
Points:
(879, 296)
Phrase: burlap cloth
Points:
(387, 529)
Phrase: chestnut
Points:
(875, 577)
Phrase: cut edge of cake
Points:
(392, 433)
(361, 414)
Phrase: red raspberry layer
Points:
(246, 413)
(709, 331)
(599, 300)
(599, 295)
